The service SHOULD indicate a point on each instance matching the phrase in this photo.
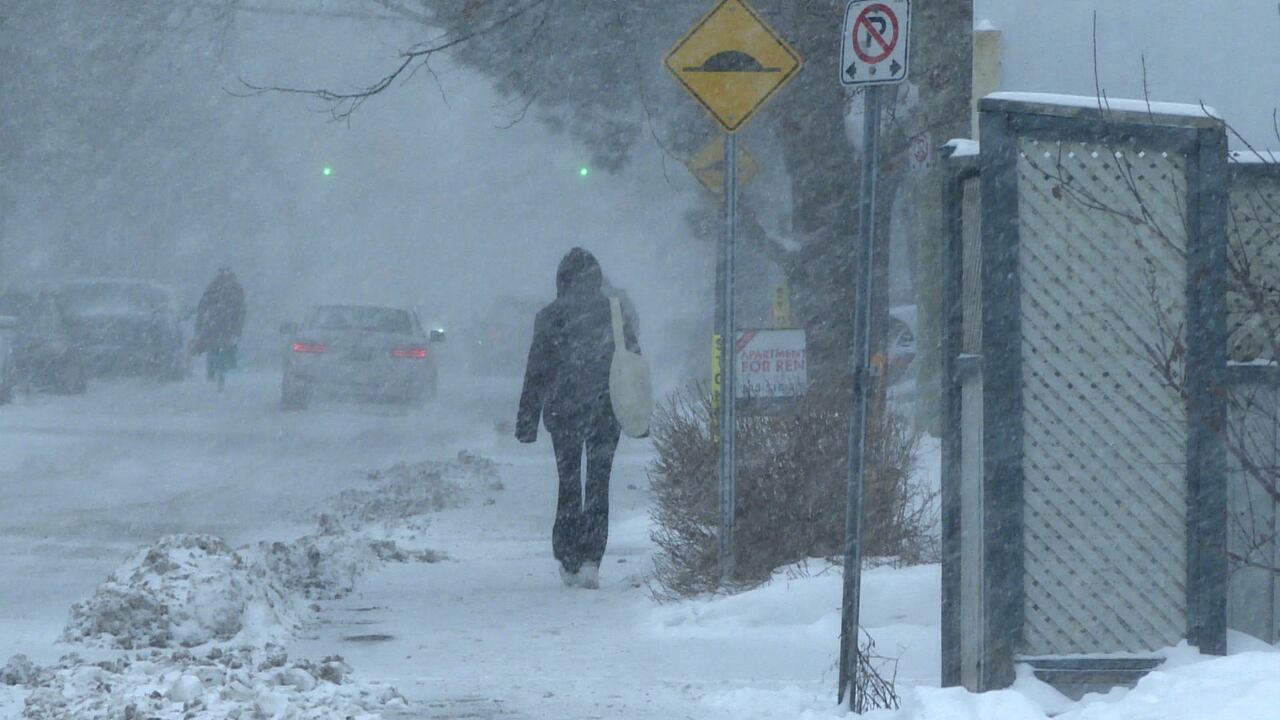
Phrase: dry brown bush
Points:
(791, 492)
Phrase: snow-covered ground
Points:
(463, 617)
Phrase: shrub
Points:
(790, 503)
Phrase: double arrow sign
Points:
(852, 70)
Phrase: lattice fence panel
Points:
(1253, 295)
(1103, 273)
(1253, 523)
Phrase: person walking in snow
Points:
(219, 322)
(566, 386)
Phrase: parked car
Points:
(126, 327)
(359, 352)
(44, 352)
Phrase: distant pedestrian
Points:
(566, 385)
(219, 322)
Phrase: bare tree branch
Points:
(520, 114)
(344, 104)
(644, 104)
(1097, 84)
(1146, 89)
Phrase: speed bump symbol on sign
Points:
(732, 62)
(708, 166)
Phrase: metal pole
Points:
(728, 361)
(858, 411)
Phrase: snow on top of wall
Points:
(963, 147)
(1110, 104)
(984, 25)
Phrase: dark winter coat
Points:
(220, 314)
(566, 381)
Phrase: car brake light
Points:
(409, 353)
(307, 348)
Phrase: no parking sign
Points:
(874, 49)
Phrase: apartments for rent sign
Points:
(771, 364)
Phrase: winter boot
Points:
(570, 579)
(589, 576)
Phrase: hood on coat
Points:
(579, 274)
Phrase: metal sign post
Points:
(858, 410)
(875, 36)
(732, 63)
(728, 361)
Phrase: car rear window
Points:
(367, 319)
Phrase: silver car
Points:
(359, 352)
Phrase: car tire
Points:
(293, 394)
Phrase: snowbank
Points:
(807, 598)
(1189, 687)
(900, 613)
(184, 590)
(408, 490)
(222, 684)
(191, 590)
(327, 566)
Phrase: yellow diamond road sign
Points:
(733, 63)
(708, 166)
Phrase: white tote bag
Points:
(629, 384)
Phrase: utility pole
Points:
(942, 62)
(942, 52)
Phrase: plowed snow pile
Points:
(189, 590)
(327, 566)
(184, 590)
(221, 684)
(409, 490)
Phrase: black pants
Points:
(582, 519)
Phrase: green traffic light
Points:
(327, 171)
(584, 171)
